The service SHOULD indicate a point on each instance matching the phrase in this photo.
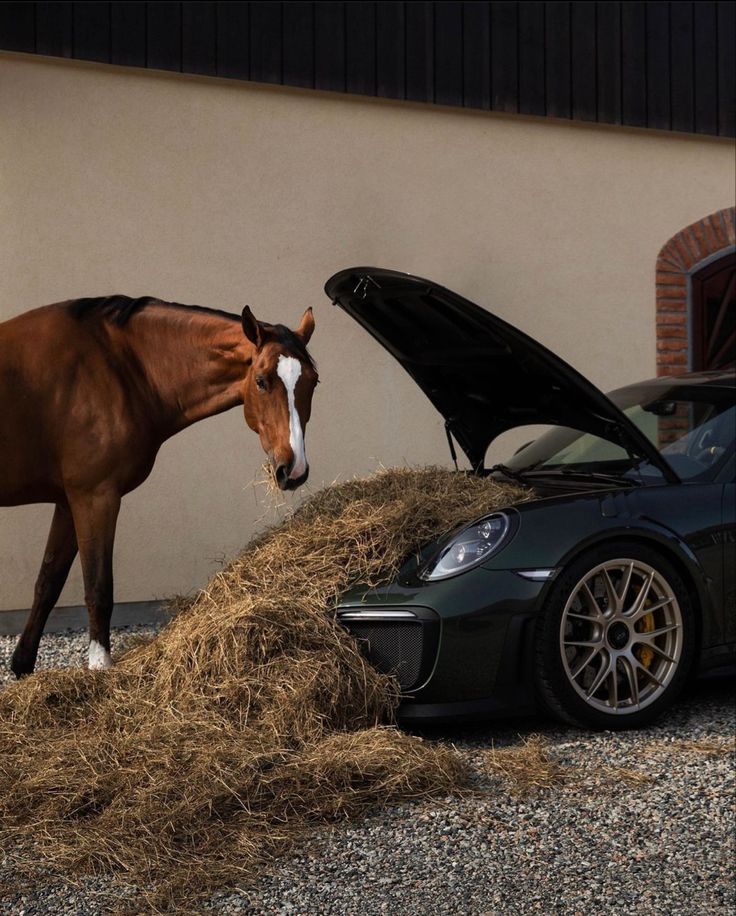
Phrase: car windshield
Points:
(692, 427)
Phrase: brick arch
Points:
(682, 255)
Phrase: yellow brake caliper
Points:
(645, 654)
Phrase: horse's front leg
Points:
(95, 518)
(61, 548)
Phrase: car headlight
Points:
(469, 547)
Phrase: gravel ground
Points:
(600, 843)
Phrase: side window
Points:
(706, 437)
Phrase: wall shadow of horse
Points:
(91, 389)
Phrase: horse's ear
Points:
(251, 327)
(306, 327)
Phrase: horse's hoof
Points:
(21, 665)
(99, 657)
(21, 670)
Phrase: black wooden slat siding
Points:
(476, 55)
(53, 28)
(584, 95)
(706, 68)
(17, 27)
(298, 43)
(233, 40)
(557, 68)
(329, 46)
(420, 63)
(128, 34)
(634, 62)
(266, 23)
(163, 35)
(658, 64)
(390, 50)
(682, 84)
(199, 37)
(531, 58)
(504, 56)
(663, 64)
(608, 61)
(92, 31)
(726, 69)
(448, 53)
(360, 47)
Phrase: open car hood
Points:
(482, 374)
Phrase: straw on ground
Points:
(249, 718)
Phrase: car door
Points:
(693, 514)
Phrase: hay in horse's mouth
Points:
(249, 718)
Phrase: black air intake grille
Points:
(405, 648)
(394, 647)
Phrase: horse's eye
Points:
(260, 383)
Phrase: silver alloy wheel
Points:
(621, 636)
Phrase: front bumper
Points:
(461, 647)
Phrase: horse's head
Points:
(278, 394)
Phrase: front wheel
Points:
(615, 641)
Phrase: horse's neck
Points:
(195, 362)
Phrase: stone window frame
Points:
(689, 250)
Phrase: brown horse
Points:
(91, 388)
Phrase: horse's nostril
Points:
(282, 474)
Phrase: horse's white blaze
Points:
(99, 657)
(289, 369)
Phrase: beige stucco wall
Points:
(223, 193)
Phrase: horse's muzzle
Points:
(281, 473)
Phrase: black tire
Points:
(646, 673)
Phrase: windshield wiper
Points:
(587, 475)
(527, 475)
(518, 476)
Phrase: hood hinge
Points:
(453, 453)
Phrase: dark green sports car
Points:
(599, 598)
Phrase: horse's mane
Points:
(119, 310)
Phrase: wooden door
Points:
(714, 315)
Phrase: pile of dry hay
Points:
(249, 718)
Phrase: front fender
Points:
(553, 532)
